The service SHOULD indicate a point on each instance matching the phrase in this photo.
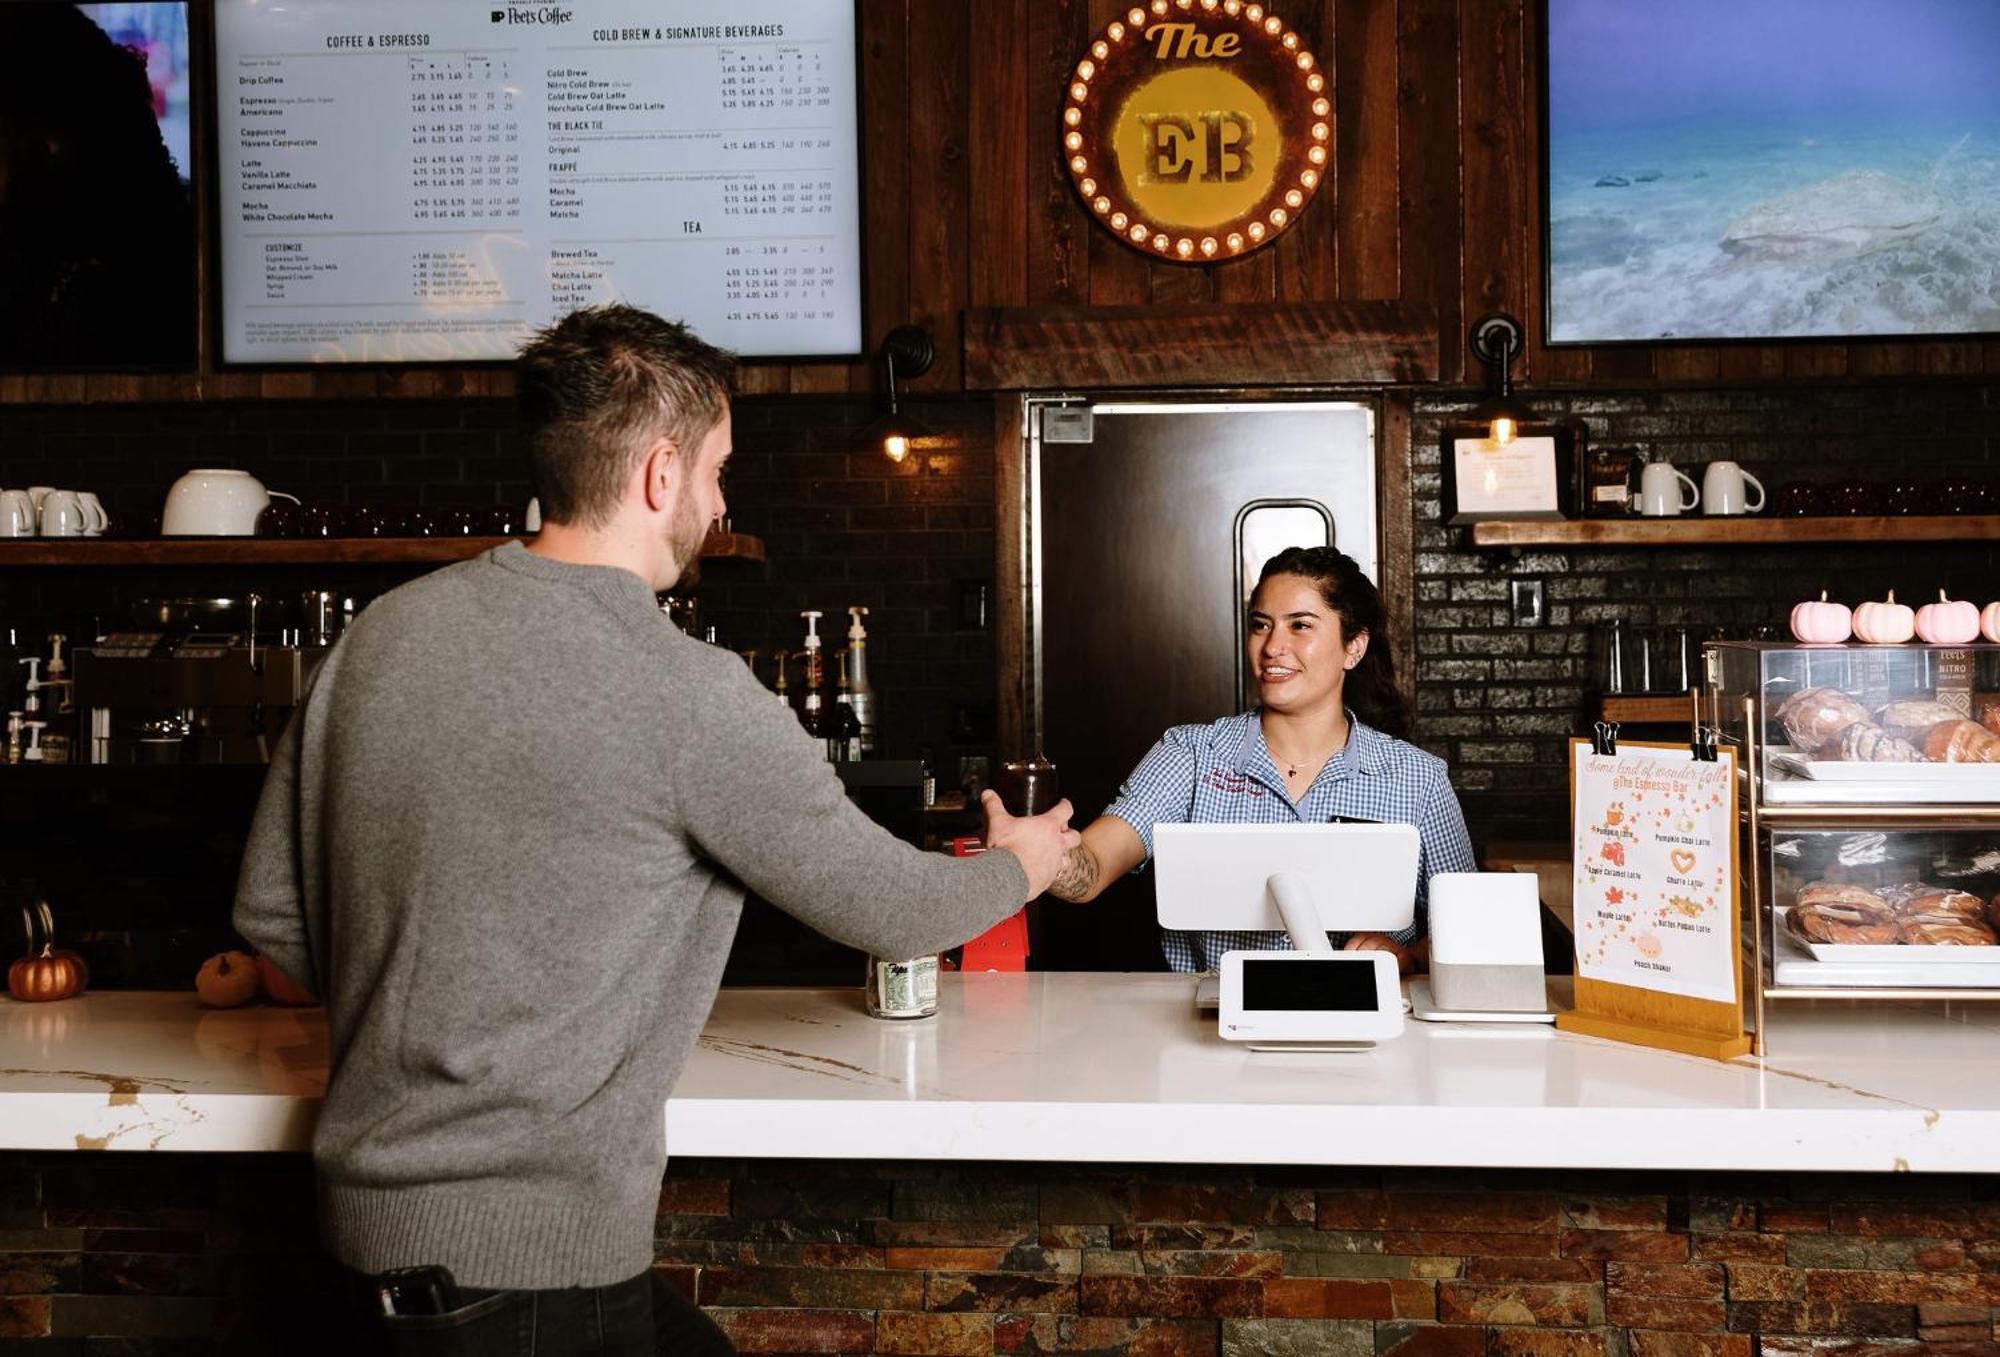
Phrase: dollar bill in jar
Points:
(902, 989)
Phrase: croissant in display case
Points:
(1912, 718)
(1843, 923)
(1909, 912)
(1943, 930)
(1938, 900)
(1815, 715)
(1863, 743)
(1961, 741)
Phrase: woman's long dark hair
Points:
(1371, 685)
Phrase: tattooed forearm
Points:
(1077, 876)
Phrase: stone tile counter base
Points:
(185, 1254)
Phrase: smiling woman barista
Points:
(1321, 744)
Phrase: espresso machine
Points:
(201, 681)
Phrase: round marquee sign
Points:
(1197, 130)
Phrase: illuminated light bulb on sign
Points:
(897, 446)
(1503, 431)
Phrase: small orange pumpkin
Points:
(1947, 621)
(1989, 621)
(1884, 624)
(227, 980)
(48, 974)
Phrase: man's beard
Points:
(686, 531)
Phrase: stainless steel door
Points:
(1144, 544)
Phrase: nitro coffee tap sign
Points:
(1197, 130)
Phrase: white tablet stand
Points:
(1312, 998)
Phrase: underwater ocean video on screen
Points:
(1740, 169)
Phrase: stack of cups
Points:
(43, 511)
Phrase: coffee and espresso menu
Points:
(1655, 871)
(433, 180)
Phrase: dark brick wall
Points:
(141, 872)
(1499, 702)
(846, 527)
(181, 1254)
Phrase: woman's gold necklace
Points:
(1292, 768)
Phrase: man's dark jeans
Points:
(639, 1317)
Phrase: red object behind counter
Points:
(1003, 947)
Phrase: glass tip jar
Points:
(902, 989)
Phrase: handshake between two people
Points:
(1040, 842)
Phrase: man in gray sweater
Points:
(506, 838)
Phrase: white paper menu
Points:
(432, 180)
(1655, 870)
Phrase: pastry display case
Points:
(1870, 852)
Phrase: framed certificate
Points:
(1532, 476)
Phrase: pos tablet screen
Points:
(1363, 877)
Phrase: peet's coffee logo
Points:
(533, 14)
(1197, 130)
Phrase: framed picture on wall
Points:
(1533, 476)
(1787, 169)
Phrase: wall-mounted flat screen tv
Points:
(433, 180)
(1771, 169)
(97, 246)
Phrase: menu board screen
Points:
(433, 180)
(97, 240)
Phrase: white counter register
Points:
(1094, 1067)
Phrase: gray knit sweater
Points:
(506, 838)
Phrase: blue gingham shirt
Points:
(1223, 774)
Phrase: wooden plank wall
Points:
(1435, 197)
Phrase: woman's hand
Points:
(1406, 958)
(1042, 842)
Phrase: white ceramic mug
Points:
(1722, 489)
(38, 493)
(213, 503)
(95, 520)
(62, 514)
(1659, 496)
(17, 514)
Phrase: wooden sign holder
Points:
(1644, 1017)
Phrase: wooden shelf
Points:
(1733, 531)
(1641, 710)
(168, 551)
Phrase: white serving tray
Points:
(1893, 953)
(1846, 770)
(1824, 781)
(1793, 966)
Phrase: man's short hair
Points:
(595, 388)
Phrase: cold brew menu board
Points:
(432, 180)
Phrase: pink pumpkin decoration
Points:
(1823, 623)
(1989, 622)
(1884, 624)
(1947, 622)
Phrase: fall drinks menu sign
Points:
(1655, 871)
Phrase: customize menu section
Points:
(433, 180)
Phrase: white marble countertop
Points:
(1095, 1067)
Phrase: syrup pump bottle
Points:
(782, 688)
(59, 740)
(861, 693)
(843, 731)
(812, 701)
